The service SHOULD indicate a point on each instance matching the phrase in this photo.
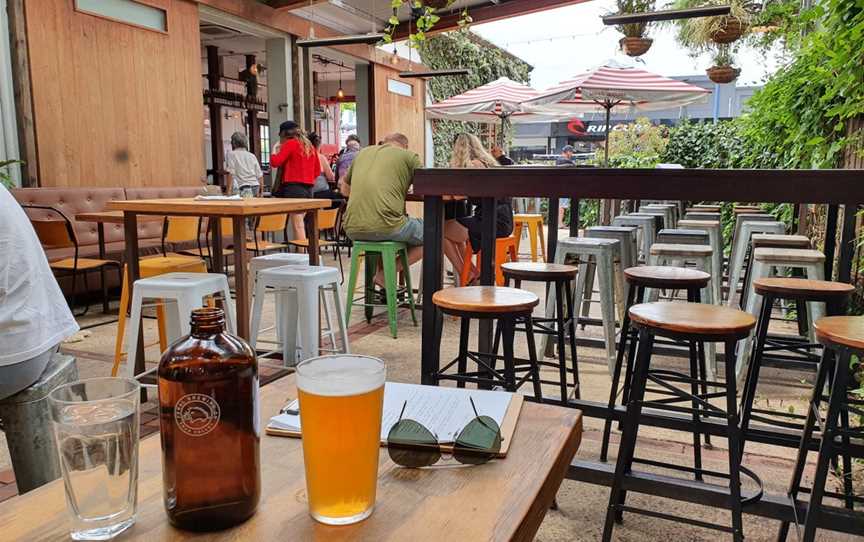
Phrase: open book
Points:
(444, 411)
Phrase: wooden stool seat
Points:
(661, 276)
(786, 255)
(746, 209)
(692, 223)
(703, 209)
(670, 249)
(800, 288)
(693, 319)
(845, 331)
(485, 299)
(538, 271)
(770, 240)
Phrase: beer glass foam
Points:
(341, 398)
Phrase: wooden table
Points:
(502, 500)
(237, 211)
(101, 218)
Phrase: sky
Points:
(562, 42)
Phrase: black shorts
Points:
(293, 190)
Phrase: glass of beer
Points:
(341, 398)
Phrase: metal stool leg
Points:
(734, 437)
(694, 391)
(560, 333)
(509, 365)
(532, 357)
(749, 393)
(462, 366)
(571, 333)
(616, 374)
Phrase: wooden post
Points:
(27, 148)
(214, 75)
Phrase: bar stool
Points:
(186, 291)
(842, 337)
(702, 215)
(678, 236)
(678, 255)
(740, 218)
(768, 240)
(639, 279)
(693, 323)
(704, 208)
(834, 294)
(534, 223)
(669, 210)
(505, 250)
(269, 261)
(741, 248)
(715, 238)
(664, 214)
(506, 306)
(647, 232)
(388, 252)
(307, 285)
(592, 255)
(626, 235)
(558, 279)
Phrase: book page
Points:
(444, 411)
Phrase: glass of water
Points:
(96, 427)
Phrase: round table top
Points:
(662, 276)
(800, 287)
(538, 270)
(841, 330)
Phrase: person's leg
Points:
(298, 226)
(455, 237)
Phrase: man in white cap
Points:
(34, 316)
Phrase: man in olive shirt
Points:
(376, 185)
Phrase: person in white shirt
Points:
(34, 316)
(243, 167)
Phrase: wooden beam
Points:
(290, 4)
(27, 149)
(503, 9)
(666, 15)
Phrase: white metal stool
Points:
(301, 310)
(647, 234)
(745, 231)
(182, 292)
(590, 254)
(766, 261)
(625, 234)
(669, 218)
(269, 261)
(715, 240)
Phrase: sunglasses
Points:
(410, 444)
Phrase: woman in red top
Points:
(298, 165)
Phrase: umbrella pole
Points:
(608, 106)
(606, 205)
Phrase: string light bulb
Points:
(341, 92)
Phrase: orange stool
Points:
(505, 251)
(535, 232)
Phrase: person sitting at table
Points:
(34, 316)
(299, 165)
(244, 171)
(468, 152)
(322, 188)
(376, 186)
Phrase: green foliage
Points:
(425, 17)
(5, 177)
(696, 33)
(704, 145)
(462, 49)
(637, 145)
(634, 30)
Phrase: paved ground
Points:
(581, 506)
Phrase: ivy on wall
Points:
(462, 49)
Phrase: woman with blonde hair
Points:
(468, 152)
(299, 166)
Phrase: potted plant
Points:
(635, 41)
(723, 71)
(699, 32)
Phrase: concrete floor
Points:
(581, 506)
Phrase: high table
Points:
(832, 187)
(101, 218)
(505, 499)
(237, 211)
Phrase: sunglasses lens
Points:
(479, 442)
(412, 445)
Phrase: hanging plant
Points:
(723, 71)
(635, 41)
(424, 14)
(700, 33)
(730, 28)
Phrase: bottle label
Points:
(196, 414)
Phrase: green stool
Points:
(388, 251)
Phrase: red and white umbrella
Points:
(612, 85)
(499, 100)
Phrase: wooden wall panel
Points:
(115, 105)
(396, 113)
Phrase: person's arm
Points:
(345, 182)
(286, 149)
(229, 175)
(326, 169)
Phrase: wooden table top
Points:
(502, 500)
(241, 207)
(111, 217)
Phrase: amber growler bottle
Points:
(208, 404)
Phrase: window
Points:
(400, 88)
(126, 11)
(264, 139)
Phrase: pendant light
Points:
(340, 94)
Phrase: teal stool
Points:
(388, 251)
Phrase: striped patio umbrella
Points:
(610, 86)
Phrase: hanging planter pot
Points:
(722, 74)
(732, 28)
(635, 46)
(437, 4)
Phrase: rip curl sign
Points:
(197, 414)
